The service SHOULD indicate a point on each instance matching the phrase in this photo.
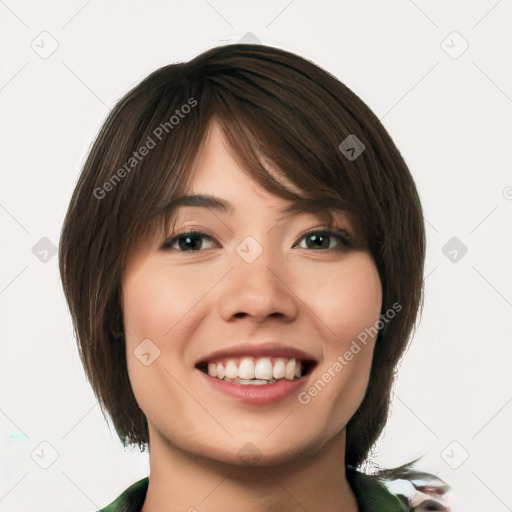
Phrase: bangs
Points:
(259, 139)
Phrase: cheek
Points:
(358, 312)
(350, 306)
(144, 310)
(361, 298)
(156, 302)
(349, 300)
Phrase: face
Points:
(264, 288)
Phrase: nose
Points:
(259, 289)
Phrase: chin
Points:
(261, 454)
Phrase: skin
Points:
(191, 303)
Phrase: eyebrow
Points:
(322, 207)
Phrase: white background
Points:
(451, 119)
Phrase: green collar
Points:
(371, 495)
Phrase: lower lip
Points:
(255, 394)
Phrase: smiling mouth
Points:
(257, 371)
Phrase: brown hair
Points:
(275, 108)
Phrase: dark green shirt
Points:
(371, 495)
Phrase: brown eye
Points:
(322, 239)
(187, 242)
(194, 241)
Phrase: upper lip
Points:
(266, 349)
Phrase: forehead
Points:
(216, 167)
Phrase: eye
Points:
(193, 241)
(322, 238)
(187, 242)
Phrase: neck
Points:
(183, 481)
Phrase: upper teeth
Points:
(256, 368)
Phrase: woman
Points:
(243, 260)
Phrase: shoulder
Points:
(398, 490)
(131, 500)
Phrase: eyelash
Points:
(329, 231)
